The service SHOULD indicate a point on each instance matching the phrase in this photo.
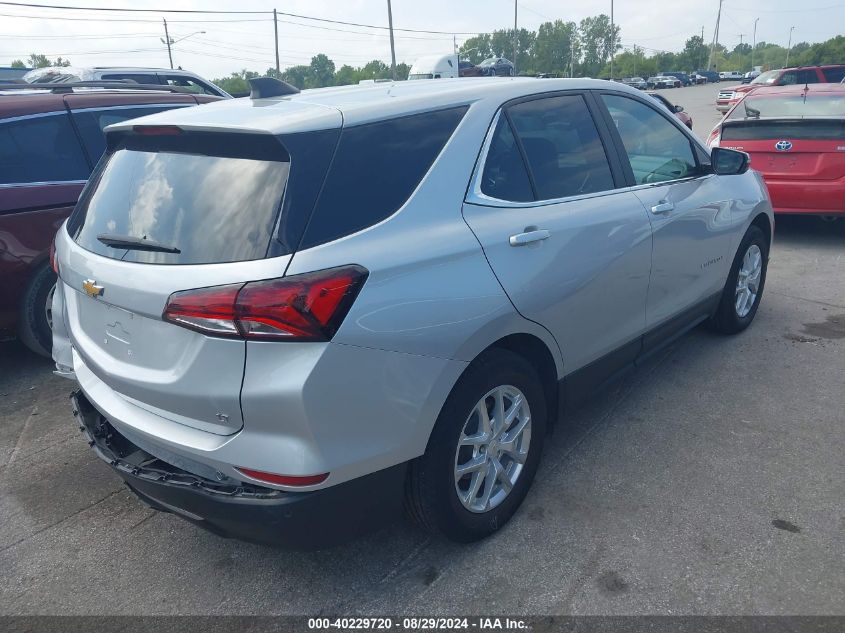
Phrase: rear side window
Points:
(214, 206)
(375, 170)
(41, 149)
(834, 75)
(562, 146)
(505, 176)
(91, 124)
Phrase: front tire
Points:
(483, 452)
(35, 320)
(744, 287)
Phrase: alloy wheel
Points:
(492, 448)
(748, 281)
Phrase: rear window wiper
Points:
(132, 243)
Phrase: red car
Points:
(795, 136)
(677, 110)
(51, 137)
(802, 75)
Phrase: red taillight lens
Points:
(157, 130)
(54, 263)
(307, 307)
(285, 480)
(713, 139)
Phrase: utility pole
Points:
(392, 45)
(741, 66)
(715, 38)
(754, 43)
(167, 39)
(276, 33)
(612, 40)
(455, 45)
(701, 48)
(572, 55)
(514, 35)
(789, 46)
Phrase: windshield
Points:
(488, 62)
(791, 106)
(768, 77)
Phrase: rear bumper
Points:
(296, 520)
(819, 197)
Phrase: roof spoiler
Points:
(264, 87)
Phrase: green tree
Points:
(18, 64)
(598, 38)
(236, 83)
(320, 72)
(346, 75)
(476, 49)
(296, 76)
(694, 55)
(501, 45)
(36, 60)
(553, 46)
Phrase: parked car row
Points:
(802, 75)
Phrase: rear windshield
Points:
(791, 106)
(213, 209)
(805, 130)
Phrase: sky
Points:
(233, 42)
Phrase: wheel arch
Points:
(762, 221)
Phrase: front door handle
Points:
(534, 235)
(662, 207)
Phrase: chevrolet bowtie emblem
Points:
(92, 289)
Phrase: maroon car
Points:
(50, 140)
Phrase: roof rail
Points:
(120, 84)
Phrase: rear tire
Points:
(438, 496)
(744, 287)
(34, 328)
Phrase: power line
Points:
(203, 11)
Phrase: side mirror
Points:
(679, 108)
(728, 162)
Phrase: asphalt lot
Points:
(710, 481)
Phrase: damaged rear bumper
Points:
(297, 520)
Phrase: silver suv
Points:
(289, 314)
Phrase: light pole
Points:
(754, 43)
(515, 33)
(392, 45)
(612, 41)
(789, 46)
(715, 38)
(169, 41)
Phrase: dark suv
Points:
(50, 140)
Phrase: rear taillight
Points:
(713, 139)
(308, 307)
(54, 263)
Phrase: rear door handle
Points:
(535, 235)
(662, 207)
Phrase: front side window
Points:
(562, 146)
(40, 149)
(657, 150)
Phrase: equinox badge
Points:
(92, 289)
